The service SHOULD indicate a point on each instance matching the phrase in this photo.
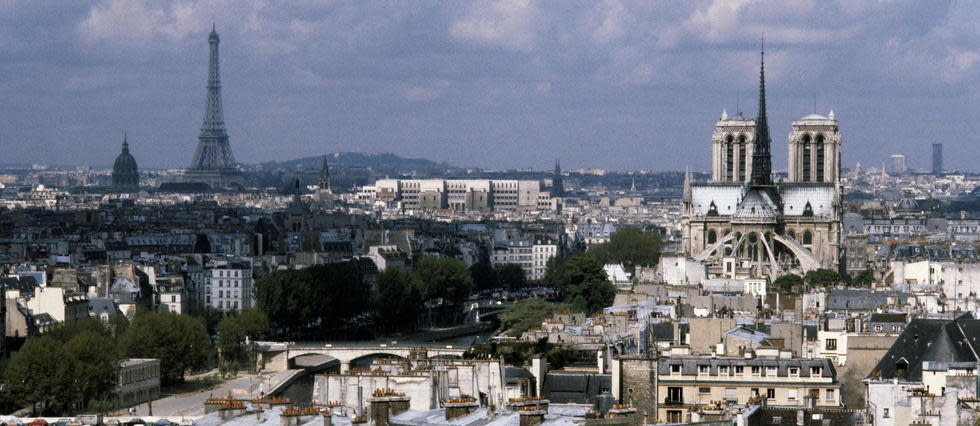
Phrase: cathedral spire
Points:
(325, 175)
(761, 156)
(557, 186)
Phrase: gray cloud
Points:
(507, 83)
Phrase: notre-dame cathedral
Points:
(743, 223)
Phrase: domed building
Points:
(125, 174)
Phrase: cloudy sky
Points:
(614, 84)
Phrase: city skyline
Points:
(615, 90)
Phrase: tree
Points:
(97, 358)
(511, 276)
(585, 284)
(338, 292)
(41, 376)
(445, 277)
(553, 271)
(399, 301)
(287, 298)
(230, 339)
(631, 247)
(787, 282)
(180, 342)
(864, 279)
(321, 295)
(524, 315)
(484, 276)
(234, 330)
(822, 277)
(253, 322)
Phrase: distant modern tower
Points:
(125, 174)
(899, 167)
(557, 186)
(937, 159)
(213, 162)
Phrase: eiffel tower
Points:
(213, 162)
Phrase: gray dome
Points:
(125, 173)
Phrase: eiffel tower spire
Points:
(761, 156)
(213, 161)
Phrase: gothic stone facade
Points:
(740, 231)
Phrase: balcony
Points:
(673, 401)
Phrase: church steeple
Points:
(557, 186)
(761, 156)
(325, 175)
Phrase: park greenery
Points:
(582, 280)
(526, 314)
(236, 335)
(629, 246)
(335, 296)
(822, 278)
(73, 366)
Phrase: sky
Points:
(612, 84)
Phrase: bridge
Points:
(279, 356)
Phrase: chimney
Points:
(459, 407)
(531, 416)
(385, 403)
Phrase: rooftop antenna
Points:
(738, 100)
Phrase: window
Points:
(771, 371)
(754, 392)
(738, 369)
(771, 393)
(815, 371)
(723, 370)
(675, 369)
(704, 391)
(831, 344)
(674, 416)
(704, 369)
(831, 395)
(878, 328)
(792, 394)
(675, 395)
(731, 394)
(884, 414)
(794, 371)
(777, 420)
(756, 370)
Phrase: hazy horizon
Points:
(616, 85)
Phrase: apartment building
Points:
(230, 285)
(687, 383)
(531, 256)
(477, 195)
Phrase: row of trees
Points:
(335, 294)
(74, 365)
(508, 276)
(236, 335)
(327, 295)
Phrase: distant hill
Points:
(348, 160)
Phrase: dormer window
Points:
(807, 209)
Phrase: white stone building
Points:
(230, 285)
(532, 257)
